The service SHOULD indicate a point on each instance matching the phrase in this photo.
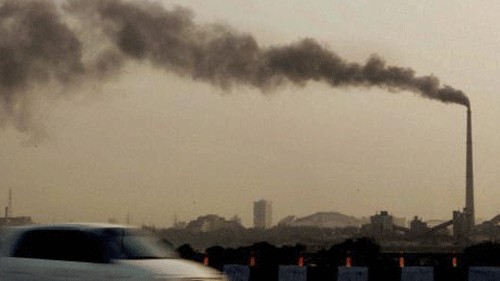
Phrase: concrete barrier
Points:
(236, 272)
(484, 273)
(354, 273)
(417, 273)
(292, 273)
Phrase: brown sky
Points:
(154, 144)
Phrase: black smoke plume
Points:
(42, 42)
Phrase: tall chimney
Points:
(10, 204)
(469, 178)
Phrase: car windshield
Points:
(137, 244)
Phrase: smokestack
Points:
(9, 214)
(469, 178)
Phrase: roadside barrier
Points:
(417, 273)
(237, 272)
(484, 273)
(352, 273)
(292, 273)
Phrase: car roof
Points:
(12, 233)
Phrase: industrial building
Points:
(463, 222)
(9, 219)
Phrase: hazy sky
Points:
(153, 144)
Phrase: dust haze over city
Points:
(186, 108)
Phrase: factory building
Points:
(9, 219)
(418, 227)
(380, 225)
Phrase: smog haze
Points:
(183, 108)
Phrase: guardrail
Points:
(355, 273)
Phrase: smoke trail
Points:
(38, 45)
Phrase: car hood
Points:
(179, 268)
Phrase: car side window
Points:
(61, 244)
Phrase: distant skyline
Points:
(148, 142)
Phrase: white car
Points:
(97, 252)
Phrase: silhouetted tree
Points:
(217, 257)
(187, 252)
(363, 251)
(486, 253)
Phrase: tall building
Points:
(262, 214)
